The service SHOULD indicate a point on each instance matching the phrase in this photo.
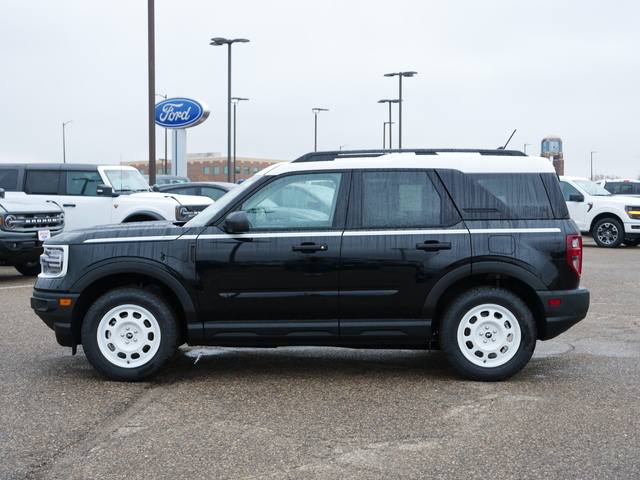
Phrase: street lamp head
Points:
(67, 122)
(402, 74)
(237, 99)
(318, 110)
(218, 41)
(388, 101)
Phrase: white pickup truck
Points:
(97, 194)
(611, 219)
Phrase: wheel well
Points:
(105, 284)
(518, 287)
(605, 215)
(141, 217)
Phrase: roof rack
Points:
(338, 154)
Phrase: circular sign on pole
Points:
(180, 113)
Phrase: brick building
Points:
(210, 167)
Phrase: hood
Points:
(134, 232)
(28, 206)
(181, 199)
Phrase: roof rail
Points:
(338, 154)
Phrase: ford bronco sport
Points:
(472, 252)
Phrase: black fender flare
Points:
(135, 265)
(479, 268)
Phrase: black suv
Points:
(469, 251)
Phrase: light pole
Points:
(235, 101)
(64, 148)
(384, 133)
(165, 140)
(218, 41)
(400, 75)
(316, 111)
(592, 165)
(390, 122)
(525, 147)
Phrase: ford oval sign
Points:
(180, 113)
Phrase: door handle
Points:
(433, 246)
(310, 248)
(68, 204)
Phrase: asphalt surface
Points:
(324, 413)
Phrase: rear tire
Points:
(488, 334)
(129, 333)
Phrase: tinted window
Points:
(213, 193)
(9, 179)
(296, 201)
(83, 183)
(400, 199)
(43, 182)
(523, 194)
(568, 190)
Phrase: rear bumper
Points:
(56, 316)
(563, 309)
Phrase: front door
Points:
(277, 283)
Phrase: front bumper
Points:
(57, 314)
(563, 309)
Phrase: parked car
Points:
(96, 194)
(168, 179)
(611, 219)
(630, 188)
(471, 252)
(213, 190)
(24, 226)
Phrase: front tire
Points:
(129, 333)
(608, 233)
(488, 334)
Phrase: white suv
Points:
(97, 194)
(611, 219)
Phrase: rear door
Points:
(402, 235)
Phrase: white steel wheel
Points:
(489, 335)
(128, 336)
(129, 333)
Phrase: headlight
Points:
(633, 211)
(54, 261)
(186, 212)
(10, 222)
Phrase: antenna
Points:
(505, 145)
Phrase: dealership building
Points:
(209, 167)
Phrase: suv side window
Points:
(295, 201)
(9, 179)
(42, 182)
(402, 199)
(82, 183)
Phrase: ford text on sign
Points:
(180, 113)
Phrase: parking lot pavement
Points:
(323, 413)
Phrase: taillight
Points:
(574, 253)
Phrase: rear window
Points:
(42, 182)
(504, 196)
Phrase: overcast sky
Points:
(485, 68)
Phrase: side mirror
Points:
(236, 222)
(576, 197)
(104, 190)
(155, 188)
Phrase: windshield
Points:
(127, 181)
(204, 217)
(592, 188)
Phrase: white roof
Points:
(465, 162)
